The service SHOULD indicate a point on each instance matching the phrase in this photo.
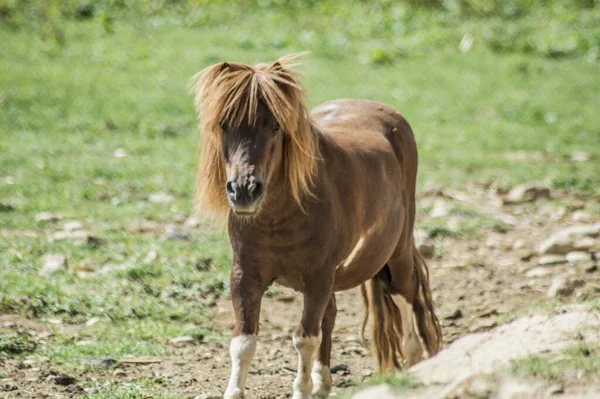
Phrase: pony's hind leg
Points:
(411, 293)
(321, 372)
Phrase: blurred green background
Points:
(97, 126)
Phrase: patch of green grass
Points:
(138, 390)
(544, 306)
(399, 381)
(579, 362)
(16, 344)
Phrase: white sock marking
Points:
(411, 344)
(321, 376)
(242, 350)
(306, 348)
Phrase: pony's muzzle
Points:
(244, 197)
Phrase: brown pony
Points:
(318, 202)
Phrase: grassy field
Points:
(96, 117)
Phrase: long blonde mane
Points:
(229, 93)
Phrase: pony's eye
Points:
(277, 128)
(223, 126)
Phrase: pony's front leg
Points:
(307, 339)
(321, 372)
(246, 296)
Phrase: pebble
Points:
(574, 238)
(120, 153)
(526, 193)
(47, 217)
(161, 198)
(539, 272)
(185, 340)
(562, 286)
(72, 225)
(52, 264)
(548, 260)
(578, 256)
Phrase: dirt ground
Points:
(478, 283)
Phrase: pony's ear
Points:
(224, 66)
(277, 66)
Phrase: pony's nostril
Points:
(255, 189)
(232, 189)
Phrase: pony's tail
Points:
(387, 324)
(427, 322)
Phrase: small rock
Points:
(581, 216)
(366, 372)
(173, 232)
(62, 379)
(47, 217)
(107, 362)
(440, 209)
(161, 198)
(120, 153)
(526, 193)
(119, 373)
(519, 244)
(562, 286)
(539, 272)
(580, 156)
(342, 369)
(92, 321)
(427, 250)
(9, 386)
(585, 244)
(548, 260)
(150, 257)
(578, 256)
(180, 341)
(72, 225)
(457, 314)
(204, 264)
(52, 264)
(571, 239)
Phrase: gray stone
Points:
(52, 264)
(539, 272)
(526, 193)
(161, 198)
(571, 239)
(578, 256)
(493, 350)
(548, 260)
(563, 286)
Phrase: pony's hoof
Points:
(300, 395)
(233, 394)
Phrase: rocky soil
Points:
(509, 274)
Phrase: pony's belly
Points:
(366, 259)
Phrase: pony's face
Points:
(252, 153)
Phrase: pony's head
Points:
(256, 135)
